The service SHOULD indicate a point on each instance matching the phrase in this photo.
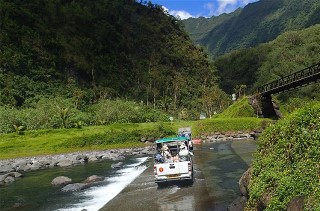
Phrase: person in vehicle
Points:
(158, 157)
(166, 154)
(184, 152)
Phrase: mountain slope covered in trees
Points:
(92, 50)
(253, 67)
(256, 23)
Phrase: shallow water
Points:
(222, 165)
(218, 169)
(35, 192)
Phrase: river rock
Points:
(6, 168)
(143, 139)
(36, 166)
(82, 158)
(9, 179)
(238, 204)
(296, 204)
(64, 163)
(13, 175)
(73, 187)
(92, 158)
(145, 151)
(117, 165)
(244, 182)
(93, 178)
(61, 180)
(118, 157)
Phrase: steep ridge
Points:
(256, 23)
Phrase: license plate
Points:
(173, 176)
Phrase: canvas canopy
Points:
(166, 140)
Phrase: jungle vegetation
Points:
(286, 164)
(63, 62)
(256, 23)
(288, 53)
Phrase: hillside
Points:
(256, 23)
(286, 164)
(104, 49)
(290, 52)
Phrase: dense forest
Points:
(256, 23)
(86, 52)
(290, 52)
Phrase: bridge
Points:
(297, 79)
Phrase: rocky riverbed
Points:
(12, 169)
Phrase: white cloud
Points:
(211, 8)
(181, 14)
(178, 13)
(225, 6)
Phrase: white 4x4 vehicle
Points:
(173, 160)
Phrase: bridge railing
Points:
(308, 72)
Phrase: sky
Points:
(196, 8)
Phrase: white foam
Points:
(97, 197)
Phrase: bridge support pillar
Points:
(269, 108)
(265, 107)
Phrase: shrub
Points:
(8, 118)
(287, 161)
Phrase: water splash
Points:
(97, 197)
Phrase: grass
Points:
(240, 108)
(56, 141)
(231, 124)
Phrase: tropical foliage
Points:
(88, 52)
(49, 113)
(290, 52)
(256, 23)
(286, 164)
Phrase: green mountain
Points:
(288, 53)
(95, 50)
(256, 23)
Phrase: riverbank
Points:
(11, 169)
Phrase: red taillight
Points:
(155, 170)
(189, 167)
(161, 169)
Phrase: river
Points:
(218, 167)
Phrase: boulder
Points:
(73, 187)
(36, 166)
(23, 166)
(61, 180)
(145, 151)
(296, 204)
(82, 158)
(3, 177)
(64, 163)
(6, 168)
(9, 179)
(17, 174)
(117, 165)
(244, 182)
(93, 178)
(238, 204)
(119, 157)
(143, 139)
(92, 158)
(264, 200)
